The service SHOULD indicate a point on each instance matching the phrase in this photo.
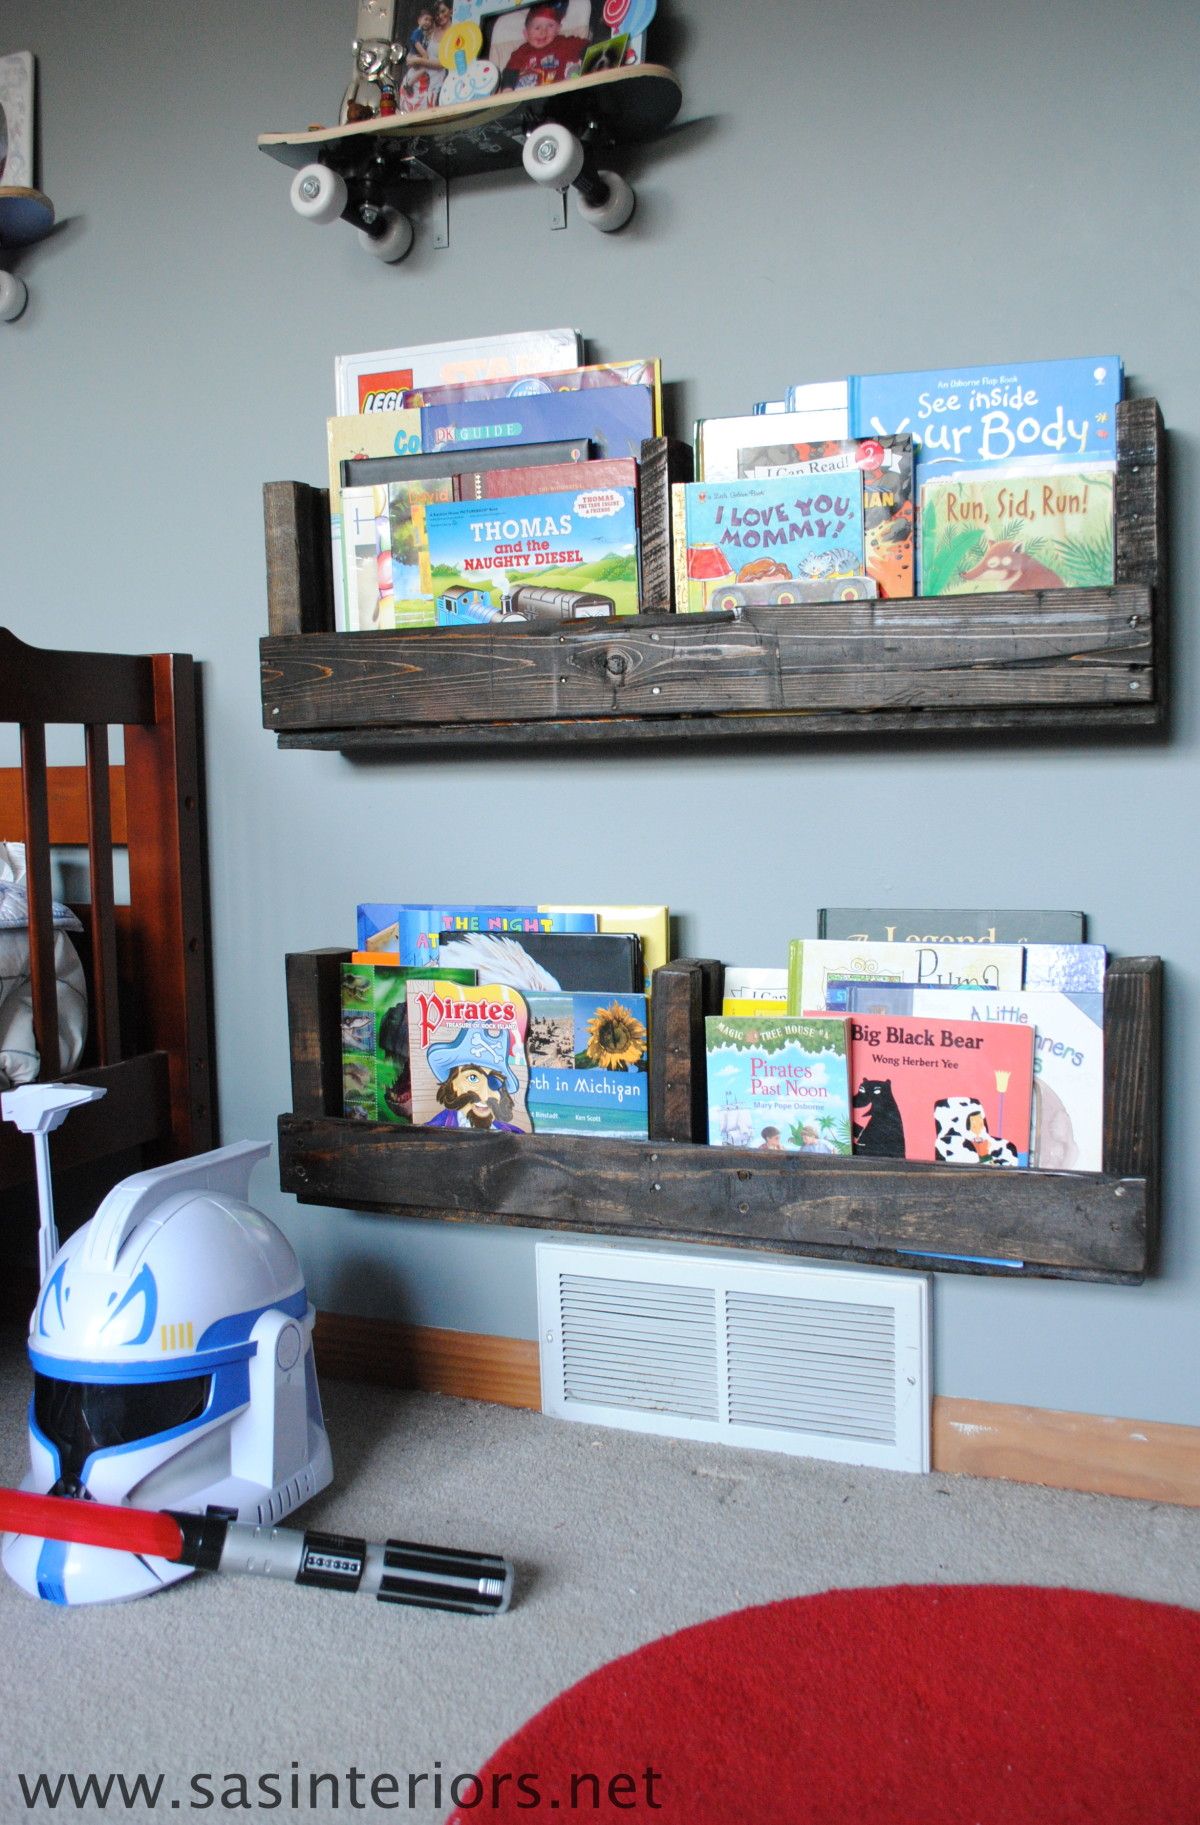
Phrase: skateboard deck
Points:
(605, 108)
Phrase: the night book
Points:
(412, 931)
(762, 531)
(376, 1081)
(483, 555)
(939, 1089)
(778, 1083)
(588, 1064)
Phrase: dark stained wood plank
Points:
(683, 993)
(135, 1112)
(45, 686)
(68, 804)
(1133, 1078)
(314, 1026)
(105, 1018)
(1140, 494)
(1067, 1222)
(664, 461)
(43, 976)
(299, 558)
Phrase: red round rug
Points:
(915, 1705)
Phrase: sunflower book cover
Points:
(886, 467)
(376, 1078)
(1026, 528)
(939, 1089)
(816, 963)
(766, 531)
(467, 1050)
(588, 1064)
(485, 557)
(778, 1082)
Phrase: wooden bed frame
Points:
(149, 1030)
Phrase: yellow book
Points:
(740, 1004)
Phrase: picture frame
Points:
(17, 120)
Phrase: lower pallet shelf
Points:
(898, 1213)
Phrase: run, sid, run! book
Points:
(778, 1084)
(588, 1064)
(939, 1089)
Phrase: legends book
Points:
(564, 380)
(813, 962)
(886, 467)
(599, 962)
(778, 1083)
(1068, 1057)
(932, 925)
(412, 931)
(1018, 528)
(376, 1080)
(373, 382)
(743, 531)
(939, 1089)
(616, 421)
(588, 1064)
(501, 557)
(467, 1047)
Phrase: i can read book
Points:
(944, 1090)
(1026, 528)
(1068, 1057)
(886, 467)
(588, 1064)
(814, 963)
(778, 1083)
(376, 1077)
(486, 558)
(763, 531)
(467, 1051)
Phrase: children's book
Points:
(565, 380)
(546, 478)
(931, 925)
(376, 1080)
(508, 556)
(1075, 968)
(718, 440)
(1068, 1057)
(412, 931)
(886, 467)
(754, 991)
(600, 962)
(614, 420)
(467, 1047)
(1023, 527)
(386, 553)
(939, 1089)
(374, 381)
(588, 1064)
(753, 532)
(814, 962)
(778, 1083)
(652, 924)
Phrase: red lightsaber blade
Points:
(396, 1571)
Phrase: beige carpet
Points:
(618, 1538)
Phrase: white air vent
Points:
(816, 1361)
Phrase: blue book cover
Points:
(614, 420)
(489, 559)
(962, 417)
(789, 526)
(1076, 969)
(412, 931)
(587, 1064)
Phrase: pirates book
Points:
(467, 1047)
(778, 1083)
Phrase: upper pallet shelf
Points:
(1074, 659)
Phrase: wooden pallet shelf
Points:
(1082, 660)
(1058, 1225)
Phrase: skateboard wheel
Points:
(552, 155)
(615, 210)
(395, 239)
(13, 296)
(319, 194)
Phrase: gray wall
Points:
(864, 186)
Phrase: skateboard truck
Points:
(555, 157)
(320, 194)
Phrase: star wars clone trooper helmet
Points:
(171, 1347)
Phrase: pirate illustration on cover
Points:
(477, 1082)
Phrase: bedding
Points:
(19, 1061)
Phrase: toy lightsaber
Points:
(431, 1577)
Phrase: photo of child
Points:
(533, 45)
(420, 29)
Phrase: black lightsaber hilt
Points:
(396, 1571)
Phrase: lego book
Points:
(938, 1089)
(525, 556)
(778, 1083)
(616, 421)
(373, 382)
(467, 1047)
(886, 467)
(1068, 1057)
(564, 380)
(412, 931)
(761, 531)
(376, 1080)
(588, 1064)
(1020, 528)
(814, 963)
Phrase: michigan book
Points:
(778, 1083)
(588, 1064)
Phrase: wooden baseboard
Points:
(1081, 1451)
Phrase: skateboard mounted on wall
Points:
(26, 213)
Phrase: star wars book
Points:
(951, 1091)
(1019, 529)
(588, 1064)
(602, 962)
(778, 1083)
(886, 467)
(376, 1079)
(758, 532)
(467, 1048)
(1068, 1057)
(814, 963)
